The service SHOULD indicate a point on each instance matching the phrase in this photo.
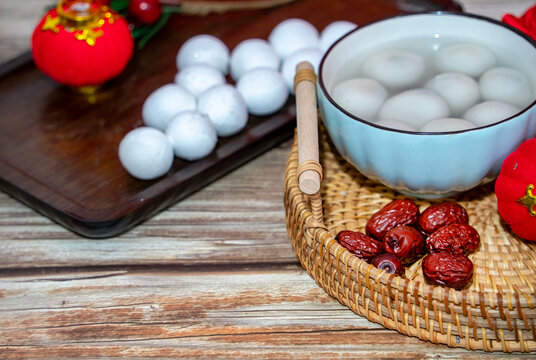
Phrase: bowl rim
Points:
(434, 13)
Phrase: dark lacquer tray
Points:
(58, 149)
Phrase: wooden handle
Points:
(307, 118)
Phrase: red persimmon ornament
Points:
(525, 23)
(516, 190)
(146, 11)
(82, 43)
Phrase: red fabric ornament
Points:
(81, 43)
(516, 190)
(526, 23)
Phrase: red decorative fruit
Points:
(146, 11)
(525, 23)
(397, 212)
(81, 43)
(443, 268)
(455, 238)
(516, 197)
(359, 244)
(439, 215)
(405, 242)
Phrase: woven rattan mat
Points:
(495, 313)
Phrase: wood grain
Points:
(237, 219)
(269, 313)
(213, 276)
(307, 126)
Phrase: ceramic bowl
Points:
(426, 165)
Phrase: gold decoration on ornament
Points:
(84, 19)
(78, 14)
(51, 23)
(89, 35)
(110, 16)
(529, 200)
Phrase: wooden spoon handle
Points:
(309, 169)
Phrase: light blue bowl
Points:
(426, 165)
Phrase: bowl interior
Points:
(432, 28)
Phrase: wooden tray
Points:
(58, 149)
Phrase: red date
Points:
(405, 242)
(397, 212)
(439, 215)
(457, 239)
(445, 269)
(390, 263)
(359, 244)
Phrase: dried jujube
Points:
(404, 236)
(405, 242)
(446, 269)
(359, 244)
(454, 238)
(438, 215)
(390, 263)
(397, 212)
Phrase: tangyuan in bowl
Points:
(430, 135)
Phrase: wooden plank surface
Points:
(237, 219)
(214, 276)
(266, 312)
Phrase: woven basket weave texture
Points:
(495, 313)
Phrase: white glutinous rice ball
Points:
(191, 135)
(396, 69)
(361, 97)
(506, 84)
(395, 124)
(264, 90)
(288, 69)
(198, 78)
(164, 102)
(251, 54)
(447, 124)
(467, 58)
(225, 108)
(334, 32)
(415, 107)
(146, 153)
(293, 34)
(489, 112)
(204, 49)
(459, 90)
